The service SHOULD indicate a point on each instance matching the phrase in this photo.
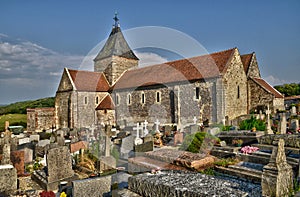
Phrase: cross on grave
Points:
(157, 125)
(145, 128)
(269, 129)
(195, 120)
(137, 139)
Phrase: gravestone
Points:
(148, 138)
(60, 140)
(28, 155)
(294, 124)
(214, 131)
(145, 147)
(34, 138)
(178, 138)
(277, 177)
(6, 154)
(99, 186)
(17, 158)
(126, 146)
(24, 140)
(8, 179)
(157, 123)
(293, 111)
(282, 124)
(59, 164)
(43, 143)
(269, 129)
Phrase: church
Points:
(214, 88)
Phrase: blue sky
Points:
(39, 38)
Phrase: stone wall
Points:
(235, 87)
(92, 187)
(40, 119)
(253, 70)
(259, 96)
(278, 104)
(175, 101)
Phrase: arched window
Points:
(143, 99)
(197, 93)
(85, 100)
(97, 100)
(238, 92)
(117, 99)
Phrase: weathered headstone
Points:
(6, 154)
(214, 131)
(8, 179)
(24, 140)
(282, 125)
(269, 129)
(148, 138)
(34, 138)
(43, 143)
(99, 186)
(178, 138)
(127, 146)
(293, 111)
(28, 155)
(145, 147)
(294, 124)
(277, 177)
(60, 140)
(106, 163)
(17, 158)
(59, 164)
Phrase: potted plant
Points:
(237, 142)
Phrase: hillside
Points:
(14, 119)
(20, 107)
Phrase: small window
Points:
(157, 97)
(143, 98)
(117, 99)
(238, 92)
(197, 93)
(129, 99)
(85, 100)
(97, 100)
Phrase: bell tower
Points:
(116, 56)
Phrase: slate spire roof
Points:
(116, 45)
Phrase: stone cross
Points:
(6, 125)
(145, 128)
(157, 125)
(137, 140)
(283, 124)
(269, 129)
(195, 120)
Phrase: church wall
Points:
(62, 110)
(278, 104)
(253, 70)
(86, 105)
(259, 96)
(235, 87)
(150, 110)
(106, 117)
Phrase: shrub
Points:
(193, 143)
(253, 123)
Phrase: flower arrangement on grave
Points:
(63, 194)
(237, 142)
(249, 149)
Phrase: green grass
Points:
(14, 119)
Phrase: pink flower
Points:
(249, 149)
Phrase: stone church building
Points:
(214, 88)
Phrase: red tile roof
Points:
(268, 87)
(195, 68)
(292, 97)
(74, 147)
(106, 103)
(89, 81)
(246, 59)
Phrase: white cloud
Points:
(27, 64)
(147, 58)
(276, 81)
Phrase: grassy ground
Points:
(12, 118)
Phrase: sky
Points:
(39, 38)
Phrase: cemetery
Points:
(152, 159)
